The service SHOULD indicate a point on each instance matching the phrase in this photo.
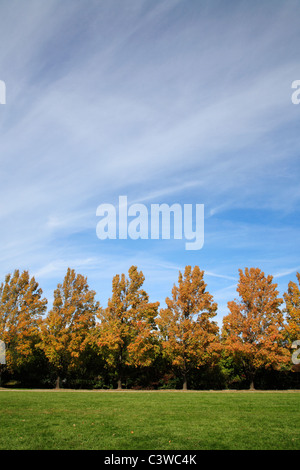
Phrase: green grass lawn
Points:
(149, 420)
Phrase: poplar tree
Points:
(189, 336)
(66, 331)
(126, 329)
(292, 316)
(292, 310)
(253, 331)
(21, 308)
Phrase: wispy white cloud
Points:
(155, 100)
(286, 272)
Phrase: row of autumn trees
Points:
(132, 333)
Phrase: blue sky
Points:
(170, 101)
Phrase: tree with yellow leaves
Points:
(21, 308)
(253, 331)
(292, 311)
(125, 333)
(66, 331)
(189, 336)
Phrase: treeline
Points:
(133, 343)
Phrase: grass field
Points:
(149, 420)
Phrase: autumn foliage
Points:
(189, 336)
(132, 335)
(126, 328)
(65, 332)
(292, 310)
(21, 308)
(253, 331)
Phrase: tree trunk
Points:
(252, 385)
(120, 369)
(184, 387)
(119, 383)
(57, 383)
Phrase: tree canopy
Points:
(132, 340)
(253, 331)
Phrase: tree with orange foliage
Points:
(292, 311)
(253, 331)
(126, 329)
(21, 307)
(189, 336)
(66, 331)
